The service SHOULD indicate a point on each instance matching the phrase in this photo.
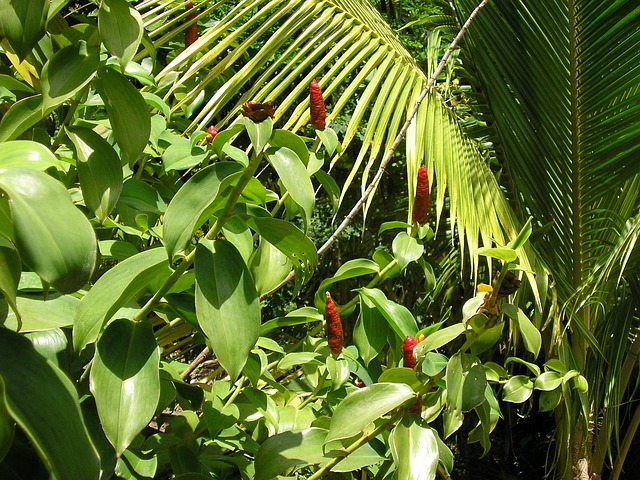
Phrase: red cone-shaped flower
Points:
(334, 326)
(316, 105)
(421, 202)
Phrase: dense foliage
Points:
(175, 303)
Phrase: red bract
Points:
(407, 351)
(334, 326)
(211, 133)
(191, 33)
(421, 203)
(316, 105)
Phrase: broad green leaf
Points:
(414, 448)
(53, 237)
(398, 316)
(329, 139)
(193, 204)
(269, 267)
(7, 425)
(141, 196)
(285, 450)
(113, 290)
(22, 115)
(23, 23)
(237, 232)
(121, 29)
(128, 112)
(27, 154)
(259, 133)
(549, 400)
(66, 73)
(31, 383)
(53, 345)
(125, 380)
(181, 155)
(99, 170)
(548, 381)
(393, 225)
(361, 407)
(400, 375)
(406, 249)
(300, 358)
(10, 268)
(434, 363)
(290, 240)
(297, 317)
(518, 389)
(370, 332)
(530, 334)
(363, 457)
(285, 138)
(487, 339)
(227, 303)
(350, 269)
(501, 253)
(439, 339)
(37, 314)
(331, 187)
(338, 371)
(295, 178)
(466, 383)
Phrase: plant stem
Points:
(626, 444)
(311, 397)
(325, 469)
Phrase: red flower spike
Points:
(407, 351)
(316, 106)
(211, 133)
(421, 202)
(191, 33)
(334, 326)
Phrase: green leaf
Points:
(269, 267)
(285, 138)
(466, 383)
(350, 269)
(549, 400)
(290, 240)
(331, 187)
(181, 155)
(414, 448)
(23, 24)
(27, 154)
(37, 314)
(99, 170)
(286, 450)
(300, 358)
(338, 371)
(259, 133)
(7, 425)
(295, 178)
(370, 332)
(112, 291)
(121, 29)
(22, 115)
(193, 204)
(128, 112)
(53, 237)
(502, 253)
(66, 73)
(399, 317)
(329, 139)
(125, 380)
(518, 389)
(530, 334)
(10, 268)
(227, 304)
(406, 249)
(439, 339)
(548, 381)
(361, 407)
(31, 383)
(400, 375)
(522, 237)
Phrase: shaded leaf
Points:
(27, 375)
(121, 29)
(53, 237)
(23, 24)
(125, 381)
(399, 317)
(227, 304)
(415, 450)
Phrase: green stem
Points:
(311, 397)
(235, 393)
(215, 230)
(325, 470)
